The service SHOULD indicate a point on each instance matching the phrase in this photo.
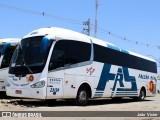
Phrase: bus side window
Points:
(69, 52)
(57, 57)
(76, 52)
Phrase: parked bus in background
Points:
(55, 63)
(7, 47)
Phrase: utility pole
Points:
(87, 30)
(96, 15)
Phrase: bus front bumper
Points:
(37, 93)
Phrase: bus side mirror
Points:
(50, 64)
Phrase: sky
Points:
(138, 21)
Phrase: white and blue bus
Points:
(7, 47)
(55, 63)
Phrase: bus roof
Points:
(11, 40)
(61, 33)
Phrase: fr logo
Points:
(90, 70)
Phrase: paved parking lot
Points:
(150, 104)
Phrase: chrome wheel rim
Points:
(82, 97)
(142, 95)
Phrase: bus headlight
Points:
(39, 84)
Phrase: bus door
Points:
(56, 71)
(55, 86)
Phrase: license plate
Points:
(18, 92)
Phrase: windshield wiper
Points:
(23, 62)
(25, 57)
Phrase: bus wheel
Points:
(141, 96)
(82, 96)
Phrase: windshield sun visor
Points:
(44, 45)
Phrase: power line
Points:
(126, 39)
(41, 13)
(76, 22)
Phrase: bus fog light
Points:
(38, 84)
(31, 78)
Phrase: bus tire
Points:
(82, 96)
(141, 96)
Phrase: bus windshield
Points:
(30, 56)
(7, 56)
(1, 50)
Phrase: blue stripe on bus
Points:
(131, 79)
(105, 77)
(99, 91)
(98, 95)
(118, 49)
(113, 47)
(124, 51)
(126, 94)
(5, 47)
